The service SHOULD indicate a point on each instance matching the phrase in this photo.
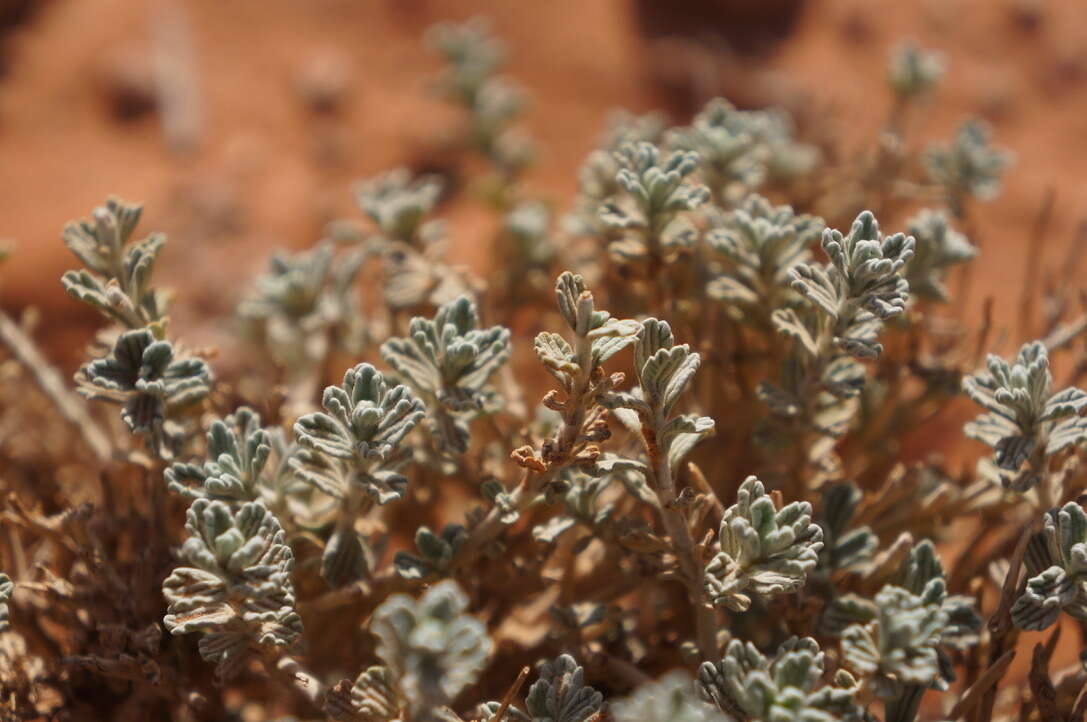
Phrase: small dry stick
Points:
(70, 406)
(511, 693)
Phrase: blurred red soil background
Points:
(216, 114)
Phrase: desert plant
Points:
(727, 499)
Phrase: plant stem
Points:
(687, 553)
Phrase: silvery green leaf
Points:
(87, 288)
(845, 547)
(144, 375)
(237, 586)
(1042, 599)
(305, 300)
(657, 184)
(471, 48)
(1060, 586)
(912, 71)
(899, 647)
(398, 204)
(7, 588)
(1065, 434)
(868, 265)
(938, 248)
(372, 698)
(238, 449)
(682, 434)
(760, 244)
(448, 361)
(561, 695)
(672, 698)
(557, 356)
(745, 684)
(436, 552)
(357, 443)
(366, 418)
(576, 309)
(788, 323)
(654, 336)
(494, 492)
(969, 166)
(1068, 402)
(430, 645)
(818, 286)
(1026, 419)
(488, 712)
(117, 278)
(761, 550)
(346, 558)
(728, 147)
(845, 611)
(666, 375)
(567, 290)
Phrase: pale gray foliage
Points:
(664, 372)
(371, 698)
(969, 166)
(356, 453)
(364, 422)
(147, 378)
(862, 280)
(899, 646)
(238, 450)
(788, 687)
(448, 361)
(436, 552)
(492, 103)
(672, 698)
(306, 306)
(1057, 562)
(236, 588)
(432, 648)
(117, 276)
(726, 145)
(7, 588)
(597, 176)
(399, 204)
(847, 301)
(937, 248)
(900, 639)
(844, 547)
(913, 71)
(597, 334)
(561, 695)
(656, 190)
(1026, 420)
(761, 244)
(656, 185)
(761, 550)
(740, 150)
(580, 494)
